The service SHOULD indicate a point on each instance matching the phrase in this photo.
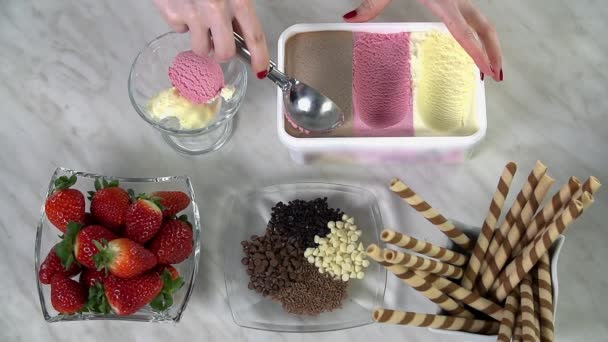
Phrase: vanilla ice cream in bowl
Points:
(190, 99)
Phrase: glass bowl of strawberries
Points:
(110, 248)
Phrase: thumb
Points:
(368, 10)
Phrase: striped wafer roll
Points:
(536, 306)
(517, 329)
(464, 295)
(591, 186)
(435, 321)
(503, 252)
(419, 284)
(422, 247)
(520, 201)
(530, 331)
(432, 215)
(513, 274)
(489, 224)
(559, 200)
(545, 298)
(507, 324)
(422, 264)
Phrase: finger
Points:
(171, 16)
(221, 30)
(466, 37)
(254, 36)
(368, 10)
(488, 36)
(200, 38)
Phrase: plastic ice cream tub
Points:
(341, 146)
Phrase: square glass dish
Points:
(249, 214)
(47, 237)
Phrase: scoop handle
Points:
(280, 79)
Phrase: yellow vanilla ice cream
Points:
(445, 83)
(169, 103)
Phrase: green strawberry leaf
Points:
(65, 248)
(113, 184)
(131, 193)
(165, 299)
(91, 195)
(97, 184)
(64, 182)
(104, 257)
(97, 301)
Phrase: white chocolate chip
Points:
(345, 277)
(340, 224)
(331, 224)
(311, 259)
(358, 268)
(350, 249)
(360, 248)
(345, 217)
(354, 238)
(351, 220)
(365, 263)
(360, 275)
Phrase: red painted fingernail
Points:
(481, 74)
(500, 75)
(350, 14)
(262, 74)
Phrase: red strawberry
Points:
(65, 204)
(90, 276)
(67, 296)
(89, 220)
(52, 265)
(173, 244)
(144, 219)
(78, 242)
(172, 270)
(123, 258)
(126, 296)
(172, 201)
(109, 204)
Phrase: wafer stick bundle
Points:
(489, 224)
(431, 214)
(506, 286)
(422, 247)
(419, 284)
(435, 321)
(422, 264)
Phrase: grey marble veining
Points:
(63, 71)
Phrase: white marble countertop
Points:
(64, 67)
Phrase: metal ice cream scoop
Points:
(305, 106)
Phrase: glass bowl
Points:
(148, 76)
(249, 214)
(47, 237)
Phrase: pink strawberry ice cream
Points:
(382, 89)
(199, 79)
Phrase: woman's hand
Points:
(207, 18)
(463, 20)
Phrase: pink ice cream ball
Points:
(197, 78)
(382, 88)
